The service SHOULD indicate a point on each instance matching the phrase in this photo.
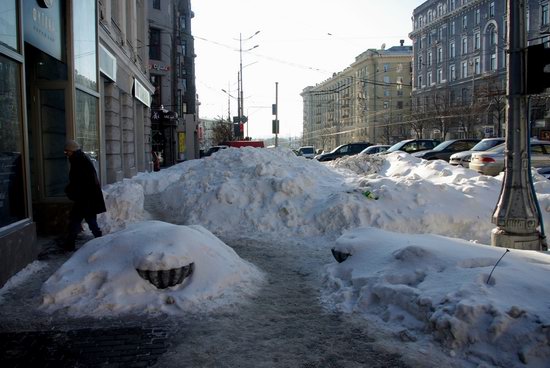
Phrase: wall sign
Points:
(42, 25)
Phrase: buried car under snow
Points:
(150, 267)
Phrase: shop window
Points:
(8, 20)
(86, 126)
(85, 43)
(12, 188)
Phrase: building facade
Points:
(172, 73)
(80, 70)
(368, 101)
(459, 66)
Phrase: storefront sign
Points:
(42, 23)
(141, 93)
(159, 67)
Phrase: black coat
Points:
(84, 187)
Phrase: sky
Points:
(301, 43)
(421, 268)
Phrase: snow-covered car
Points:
(463, 158)
(491, 162)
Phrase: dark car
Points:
(343, 150)
(413, 145)
(444, 150)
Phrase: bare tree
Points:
(222, 131)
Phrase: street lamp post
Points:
(240, 79)
(516, 213)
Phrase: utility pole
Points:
(276, 123)
(516, 215)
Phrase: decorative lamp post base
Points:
(531, 241)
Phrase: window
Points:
(85, 43)
(464, 69)
(440, 10)
(492, 9)
(477, 41)
(464, 49)
(386, 79)
(156, 4)
(8, 16)
(477, 17)
(156, 82)
(429, 58)
(544, 14)
(464, 21)
(419, 81)
(419, 62)
(429, 38)
(386, 104)
(477, 65)
(12, 185)
(439, 76)
(400, 105)
(452, 50)
(452, 28)
(493, 65)
(429, 78)
(493, 36)
(452, 4)
(452, 73)
(154, 44)
(440, 34)
(439, 54)
(386, 68)
(386, 92)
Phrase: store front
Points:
(48, 94)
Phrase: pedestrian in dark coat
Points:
(84, 190)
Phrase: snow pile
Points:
(418, 284)
(101, 278)
(124, 202)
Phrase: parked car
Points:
(377, 148)
(413, 145)
(491, 162)
(544, 171)
(306, 151)
(463, 158)
(343, 150)
(444, 150)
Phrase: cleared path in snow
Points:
(284, 325)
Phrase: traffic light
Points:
(538, 78)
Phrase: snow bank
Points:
(418, 284)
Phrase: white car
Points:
(307, 151)
(463, 158)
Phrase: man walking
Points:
(84, 190)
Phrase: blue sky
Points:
(300, 43)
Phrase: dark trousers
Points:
(75, 220)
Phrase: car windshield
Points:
(306, 150)
(443, 145)
(397, 146)
(484, 145)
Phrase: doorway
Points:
(47, 91)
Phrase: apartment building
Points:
(368, 101)
(459, 66)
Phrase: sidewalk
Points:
(29, 338)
